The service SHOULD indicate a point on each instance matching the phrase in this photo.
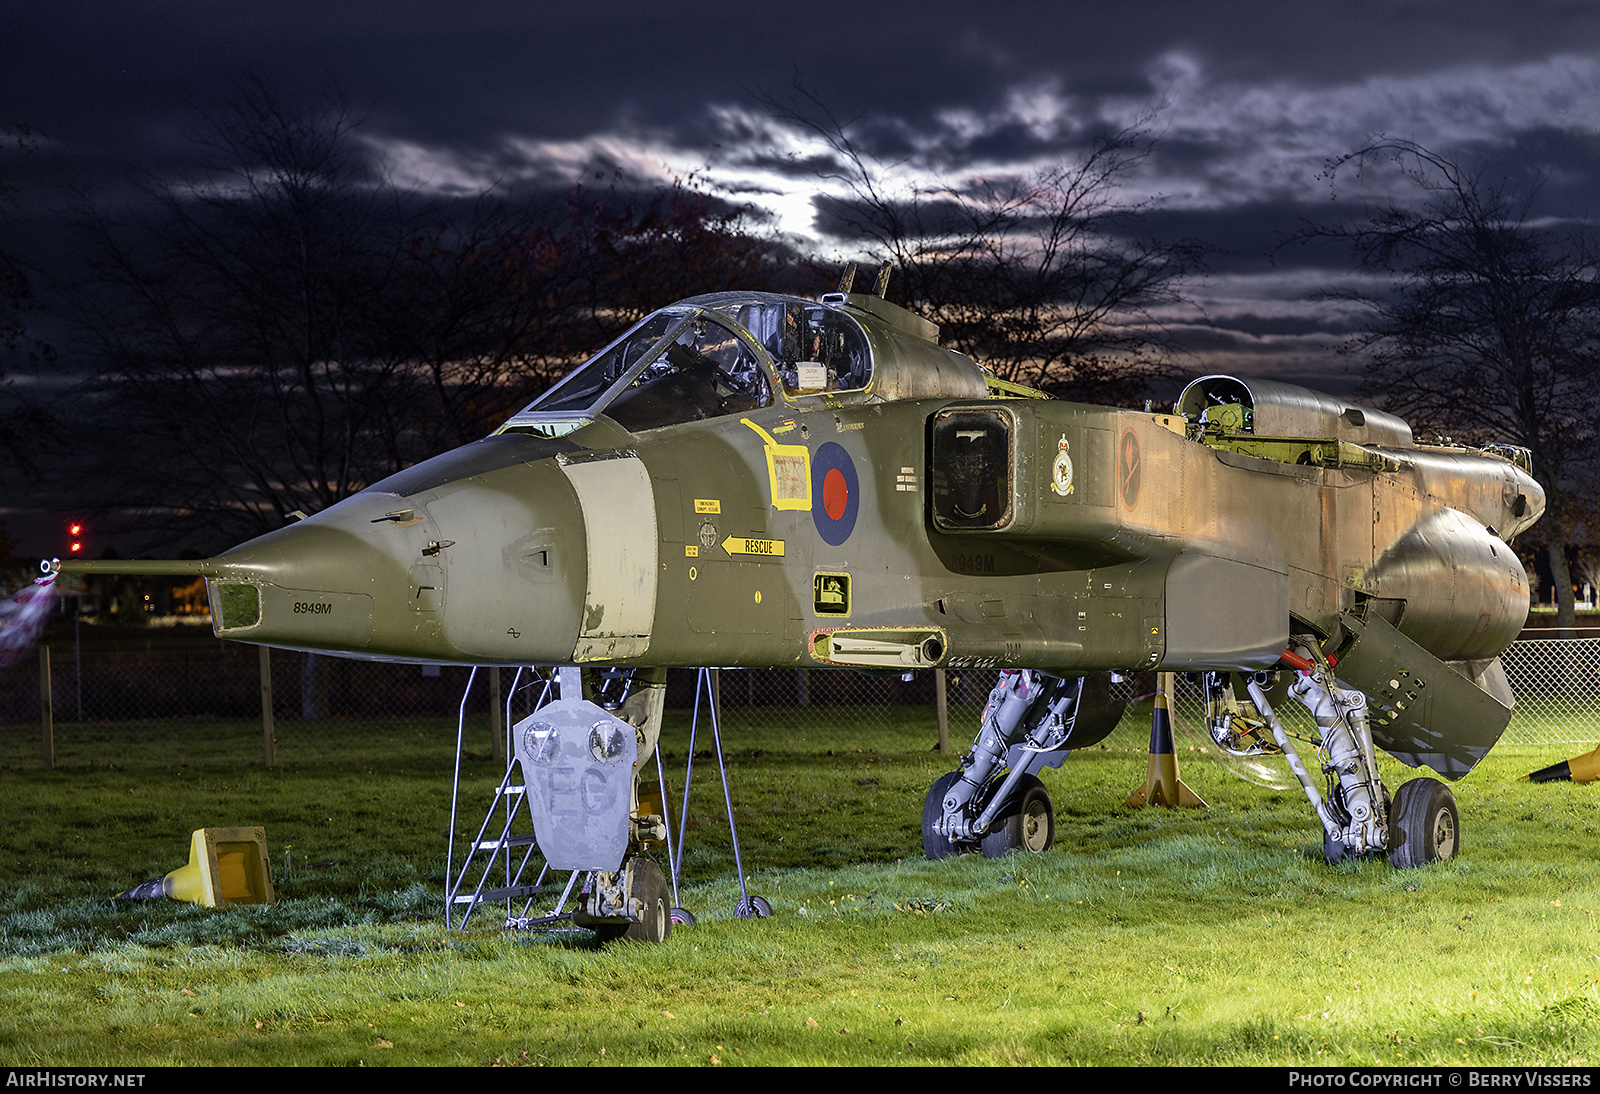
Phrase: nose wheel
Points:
(1026, 823)
(935, 845)
(648, 893)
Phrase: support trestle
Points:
(630, 900)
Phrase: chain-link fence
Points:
(1557, 685)
(330, 699)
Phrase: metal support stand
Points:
(706, 684)
(508, 807)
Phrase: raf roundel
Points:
(835, 493)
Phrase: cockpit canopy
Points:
(707, 357)
(733, 352)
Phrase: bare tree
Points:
(20, 420)
(286, 326)
(1489, 325)
(242, 323)
(1048, 279)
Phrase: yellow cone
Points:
(1161, 783)
(1579, 769)
(227, 866)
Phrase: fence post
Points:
(46, 710)
(943, 707)
(269, 748)
(496, 712)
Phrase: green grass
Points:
(1143, 937)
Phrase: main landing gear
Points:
(995, 802)
(1419, 825)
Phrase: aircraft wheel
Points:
(755, 907)
(934, 845)
(1424, 825)
(650, 888)
(1029, 823)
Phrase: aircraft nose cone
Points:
(462, 572)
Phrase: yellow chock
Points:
(1161, 783)
(1579, 769)
(227, 866)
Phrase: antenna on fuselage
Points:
(847, 280)
(882, 286)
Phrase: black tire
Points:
(683, 917)
(1424, 825)
(649, 887)
(1027, 823)
(755, 907)
(934, 845)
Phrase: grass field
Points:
(1143, 937)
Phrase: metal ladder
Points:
(508, 806)
(469, 887)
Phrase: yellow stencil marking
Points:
(707, 505)
(788, 471)
(691, 550)
(737, 546)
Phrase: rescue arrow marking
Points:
(772, 548)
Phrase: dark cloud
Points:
(1250, 100)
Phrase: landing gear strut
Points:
(995, 802)
(1421, 823)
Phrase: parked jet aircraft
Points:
(747, 479)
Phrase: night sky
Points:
(1250, 102)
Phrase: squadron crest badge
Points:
(1061, 470)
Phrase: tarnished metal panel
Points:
(619, 522)
(1498, 494)
(1422, 711)
(1222, 613)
